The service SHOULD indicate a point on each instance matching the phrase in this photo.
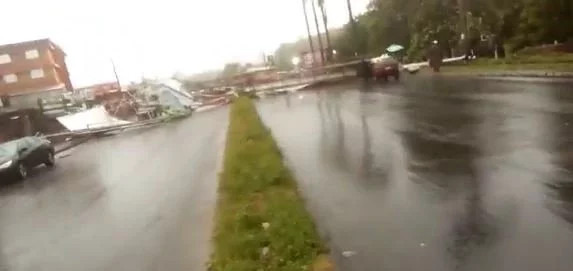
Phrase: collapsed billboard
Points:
(94, 118)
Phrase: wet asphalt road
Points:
(435, 174)
(142, 200)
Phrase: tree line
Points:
(496, 27)
(491, 27)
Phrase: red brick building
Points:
(34, 69)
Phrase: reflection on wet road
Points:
(435, 174)
(138, 201)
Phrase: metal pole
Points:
(115, 73)
(119, 86)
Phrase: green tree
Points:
(230, 70)
(354, 39)
(545, 22)
(284, 55)
(416, 23)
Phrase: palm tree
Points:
(308, 28)
(318, 32)
(349, 10)
(352, 23)
(325, 21)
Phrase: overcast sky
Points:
(156, 38)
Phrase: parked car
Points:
(384, 67)
(18, 156)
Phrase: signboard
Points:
(309, 60)
(312, 61)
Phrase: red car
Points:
(385, 66)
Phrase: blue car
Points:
(18, 156)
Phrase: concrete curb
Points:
(528, 74)
(83, 138)
(531, 79)
(73, 144)
(511, 74)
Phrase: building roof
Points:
(40, 42)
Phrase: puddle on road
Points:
(478, 172)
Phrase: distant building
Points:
(31, 70)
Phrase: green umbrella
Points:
(394, 48)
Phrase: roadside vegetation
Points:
(261, 221)
(505, 26)
(489, 28)
(551, 62)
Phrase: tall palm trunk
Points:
(325, 21)
(318, 32)
(353, 25)
(349, 6)
(308, 29)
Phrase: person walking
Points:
(435, 56)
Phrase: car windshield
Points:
(8, 148)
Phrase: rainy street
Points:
(142, 200)
(435, 173)
(432, 173)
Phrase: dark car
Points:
(18, 156)
(385, 66)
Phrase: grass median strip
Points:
(261, 221)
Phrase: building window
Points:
(37, 73)
(10, 78)
(5, 58)
(32, 54)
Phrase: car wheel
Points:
(22, 172)
(50, 160)
(397, 77)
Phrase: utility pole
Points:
(318, 32)
(308, 29)
(115, 73)
(119, 86)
